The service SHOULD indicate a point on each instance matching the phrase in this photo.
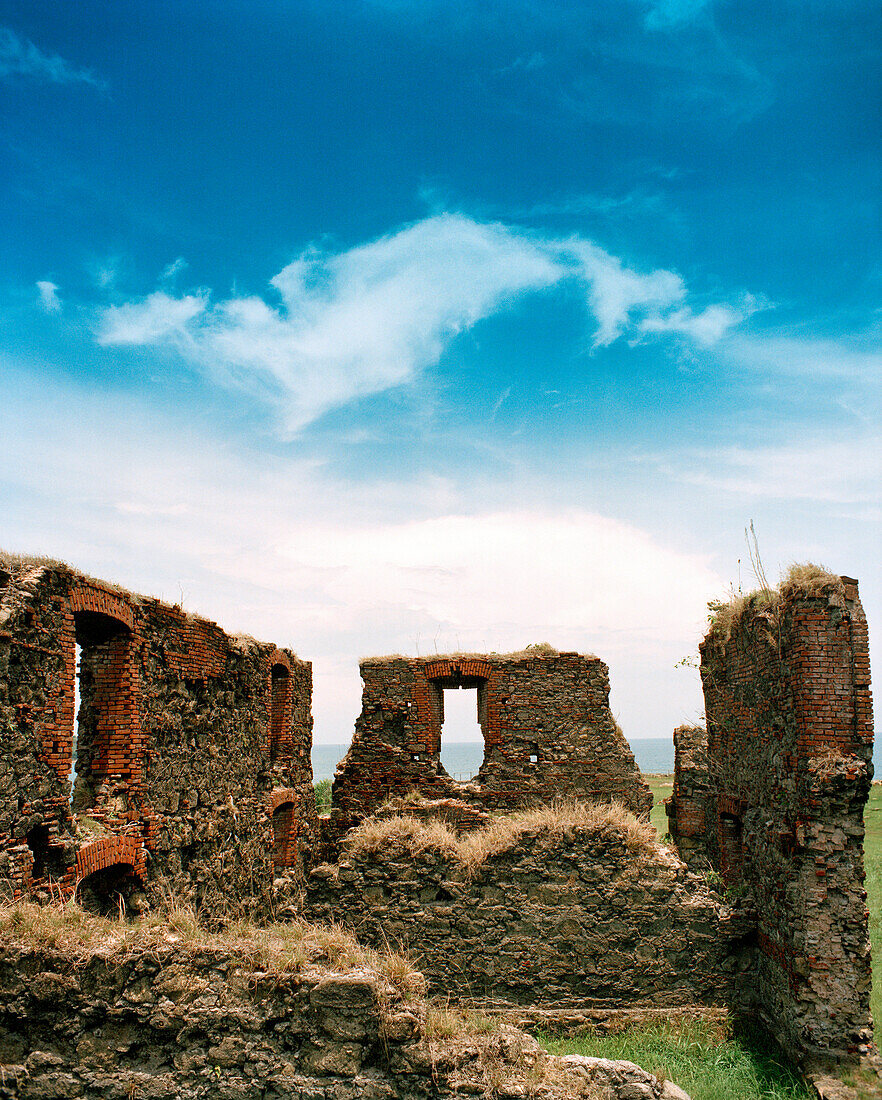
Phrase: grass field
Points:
(711, 1066)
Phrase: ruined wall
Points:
(691, 805)
(790, 737)
(569, 918)
(166, 1022)
(548, 733)
(187, 742)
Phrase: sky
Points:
(425, 325)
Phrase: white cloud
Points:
(705, 328)
(616, 292)
(340, 571)
(158, 317)
(374, 317)
(19, 57)
(49, 299)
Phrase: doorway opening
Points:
(462, 739)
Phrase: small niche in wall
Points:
(111, 892)
(47, 857)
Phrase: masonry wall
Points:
(165, 1022)
(692, 805)
(548, 733)
(573, 920)
(184, 748)
(789, 749)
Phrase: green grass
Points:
(873, 864)
(711, 1066)
(708, 1064)
(323, 796)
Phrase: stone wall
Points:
(573, 917)
(167, 1022)
(548, 733)
(187, 742)
(787, 690)
(691, 804)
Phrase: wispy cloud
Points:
(48, 296)
(837, 472)
(806, 357)
(173, 269)
(363, 321)
(666, 14)
(158, 317)
(19, 57)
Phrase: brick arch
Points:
(279, 657)
(282, 808)
(109, 851)
(88, 597)
(466, 667)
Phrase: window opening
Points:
(281, 686)
(78, 656)
(103, 707)
(462, 740)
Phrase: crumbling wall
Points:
(787, 690)
(548, 733)
(570, 916)
(691, 804)
(183, 748)
(170, 1021)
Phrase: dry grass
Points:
(444, 1021)
(552, 824)
(810, 580)
(15, 563)
(276, 948)
(539, 649)
(806, 579)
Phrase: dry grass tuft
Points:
(445, 1021)
(552, 825)
(806, 579)
(275, 948)
(401, 834)
(809, 579)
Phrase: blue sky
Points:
(402, 325)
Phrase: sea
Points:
(461, 759)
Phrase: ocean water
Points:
(654, 756)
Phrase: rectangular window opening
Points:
(462, 740)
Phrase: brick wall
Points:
(789, 766)
(548, 733)
(173, 772)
